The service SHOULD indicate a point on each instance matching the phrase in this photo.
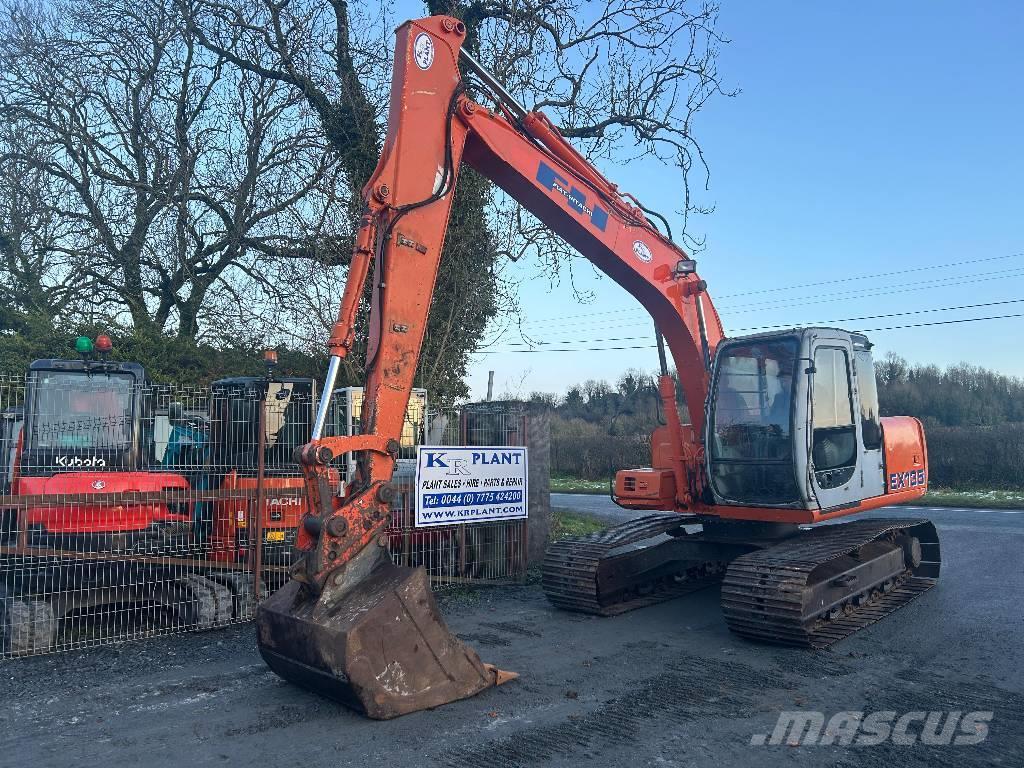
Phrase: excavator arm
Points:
(433, 128)
(350, 624)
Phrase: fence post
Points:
(538, 442)
(256, 542)
(460, 564)
(524, 533)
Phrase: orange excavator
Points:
(784, 429)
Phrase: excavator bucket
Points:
(378, 646)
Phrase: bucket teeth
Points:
(381, 647)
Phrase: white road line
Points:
(968, 509)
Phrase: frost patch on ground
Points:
(976, 497)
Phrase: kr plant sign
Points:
(469, 485)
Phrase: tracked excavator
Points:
(783, 432)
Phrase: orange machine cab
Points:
(88, 434)
(288, 404)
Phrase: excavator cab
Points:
(793, 422)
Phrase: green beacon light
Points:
(83, 345)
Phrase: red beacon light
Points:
(103, 344)
(270, 358)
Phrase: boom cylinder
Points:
(702, 326)
(325, 397)
(493, 83)
(662, 361)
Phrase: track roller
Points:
(825, 584)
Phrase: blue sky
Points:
(868, 138)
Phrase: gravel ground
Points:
(663, 686)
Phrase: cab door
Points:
(836, 448)
(872, 463)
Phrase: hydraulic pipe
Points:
(494, 84)
(702, 326)
(662, 361)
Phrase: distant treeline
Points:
(958, 396)
(974, 419)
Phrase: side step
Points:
(823, 585)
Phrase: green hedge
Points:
(958, 457)
(167, 359)
(976, 457)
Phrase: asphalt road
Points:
(603, 508)
(663, 686)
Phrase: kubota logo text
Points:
(76, 462)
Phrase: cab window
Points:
(835, 436)
(870, 426)
(751, 414)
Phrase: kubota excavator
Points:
(783, 428)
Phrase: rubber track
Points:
(569, 571)
(762, 593)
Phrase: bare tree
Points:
(199, 162)
(622, 77)
(613, 73)
(182, 173)
(33, 266)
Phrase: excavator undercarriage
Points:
(632, 565)
(826, 583)
(783, 585)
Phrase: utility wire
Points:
(877, 274)
(943, 322)
(857, 330)
(808, 324)
(620, 325)
(938, 282)
(805, 285)
(822, 298)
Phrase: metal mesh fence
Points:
(129, 509)
(476, 553)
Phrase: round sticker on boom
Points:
(642, 252)
(423, 50)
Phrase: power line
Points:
(880, 317)
(807, 324)
(800, 285)
(939, 282)
(877, 274)
(568, 349)
(943, 322)
(981, 277)
(857, 330)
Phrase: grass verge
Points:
(565, 523)
(562, 484)
(975, 498)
